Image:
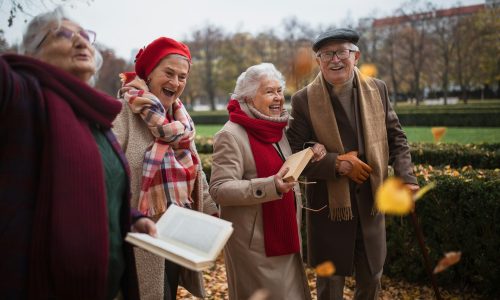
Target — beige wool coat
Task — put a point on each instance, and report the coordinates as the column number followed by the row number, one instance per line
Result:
column 235, row 187
column 134, row 138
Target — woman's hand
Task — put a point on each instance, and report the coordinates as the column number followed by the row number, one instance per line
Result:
column 319, row 151
column 282, row 186
column 145, row 225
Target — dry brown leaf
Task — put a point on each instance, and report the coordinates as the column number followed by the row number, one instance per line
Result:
column 325, row 269
column 448, row 260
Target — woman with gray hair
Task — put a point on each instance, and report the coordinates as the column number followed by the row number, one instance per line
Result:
column 64, row 184
column 247, row 183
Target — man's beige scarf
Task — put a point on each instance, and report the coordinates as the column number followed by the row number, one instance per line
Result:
column 374, row 133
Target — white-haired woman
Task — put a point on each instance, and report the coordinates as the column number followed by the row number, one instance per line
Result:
column 249, row 151
column 64, row 184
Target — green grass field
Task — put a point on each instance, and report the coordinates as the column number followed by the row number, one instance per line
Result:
column 461, row 135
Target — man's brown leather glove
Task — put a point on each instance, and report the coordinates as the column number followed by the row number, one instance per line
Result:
column 351, row 166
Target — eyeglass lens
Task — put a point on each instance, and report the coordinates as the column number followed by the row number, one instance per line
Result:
column 341, row 54
column 68, row 34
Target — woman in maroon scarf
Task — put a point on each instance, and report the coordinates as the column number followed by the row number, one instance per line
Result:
column 64, row 184
column 249, row 151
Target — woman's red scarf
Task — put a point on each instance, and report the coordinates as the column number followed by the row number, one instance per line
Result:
column 281, row 235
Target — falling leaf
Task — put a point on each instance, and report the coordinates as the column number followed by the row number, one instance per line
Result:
column 422, row 191
column 325, row 269
column 368, row 70
column 438, row 133
column 448, row 260
column 393, row 197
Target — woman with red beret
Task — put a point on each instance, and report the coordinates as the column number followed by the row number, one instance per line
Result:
column 157, row 135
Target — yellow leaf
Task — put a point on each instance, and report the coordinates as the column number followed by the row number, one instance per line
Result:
column 422, row 191
column 368, row 70
column 393, row 197
column 325, row 269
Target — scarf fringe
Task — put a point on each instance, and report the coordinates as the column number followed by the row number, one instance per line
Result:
column 341, row 213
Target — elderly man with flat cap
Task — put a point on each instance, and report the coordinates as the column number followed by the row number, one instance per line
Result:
column 351, row 115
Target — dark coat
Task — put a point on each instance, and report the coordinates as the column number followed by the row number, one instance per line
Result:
column 30, row 196
column 335, row 240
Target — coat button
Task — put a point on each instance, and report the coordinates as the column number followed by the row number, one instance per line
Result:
column 258, row 193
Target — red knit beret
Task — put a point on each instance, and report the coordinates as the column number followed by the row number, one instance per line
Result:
column 148, row 58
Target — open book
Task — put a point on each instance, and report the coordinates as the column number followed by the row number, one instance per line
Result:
column 187, row 237
column 297, row 162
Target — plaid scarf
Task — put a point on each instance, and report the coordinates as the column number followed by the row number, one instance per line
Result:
column 171, row 162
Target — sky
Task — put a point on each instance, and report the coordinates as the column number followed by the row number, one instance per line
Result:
column 127, row 25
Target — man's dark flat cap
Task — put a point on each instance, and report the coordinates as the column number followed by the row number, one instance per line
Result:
column 344, row 34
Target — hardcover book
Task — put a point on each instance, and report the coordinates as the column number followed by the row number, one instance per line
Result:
column 187, row 237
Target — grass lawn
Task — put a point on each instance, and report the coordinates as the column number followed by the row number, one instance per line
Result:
column 461, row 135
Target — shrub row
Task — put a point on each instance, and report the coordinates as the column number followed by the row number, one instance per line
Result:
column 460, row 214
column 455, row 119
column 483, row 156
column 430, row 117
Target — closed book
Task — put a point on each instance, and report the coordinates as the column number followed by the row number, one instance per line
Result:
column 296, row 163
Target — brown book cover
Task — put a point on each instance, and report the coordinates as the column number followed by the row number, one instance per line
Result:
column 297, row 162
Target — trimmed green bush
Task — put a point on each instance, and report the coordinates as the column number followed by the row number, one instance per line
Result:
column 482, row 156
column 455, row 119
column 460, row 214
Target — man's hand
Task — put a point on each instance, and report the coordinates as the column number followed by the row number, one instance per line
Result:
column 145, row 225
column 412, row 187
column 351, row 166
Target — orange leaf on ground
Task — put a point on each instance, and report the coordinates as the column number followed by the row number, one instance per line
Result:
column 448, row 260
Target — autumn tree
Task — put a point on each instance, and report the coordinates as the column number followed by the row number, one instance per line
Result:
column 30, row 8
column 297, row 37
column 108, row 80
column 444, row 43
column 205, row 45
column 414, row 42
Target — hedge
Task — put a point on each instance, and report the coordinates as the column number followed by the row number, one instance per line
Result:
column 429, row 117
column 455, row 119
column 460, row 214
column 483, row 156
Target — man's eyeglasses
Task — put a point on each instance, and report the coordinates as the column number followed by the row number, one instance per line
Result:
column 66, row 33
column 341, row 54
